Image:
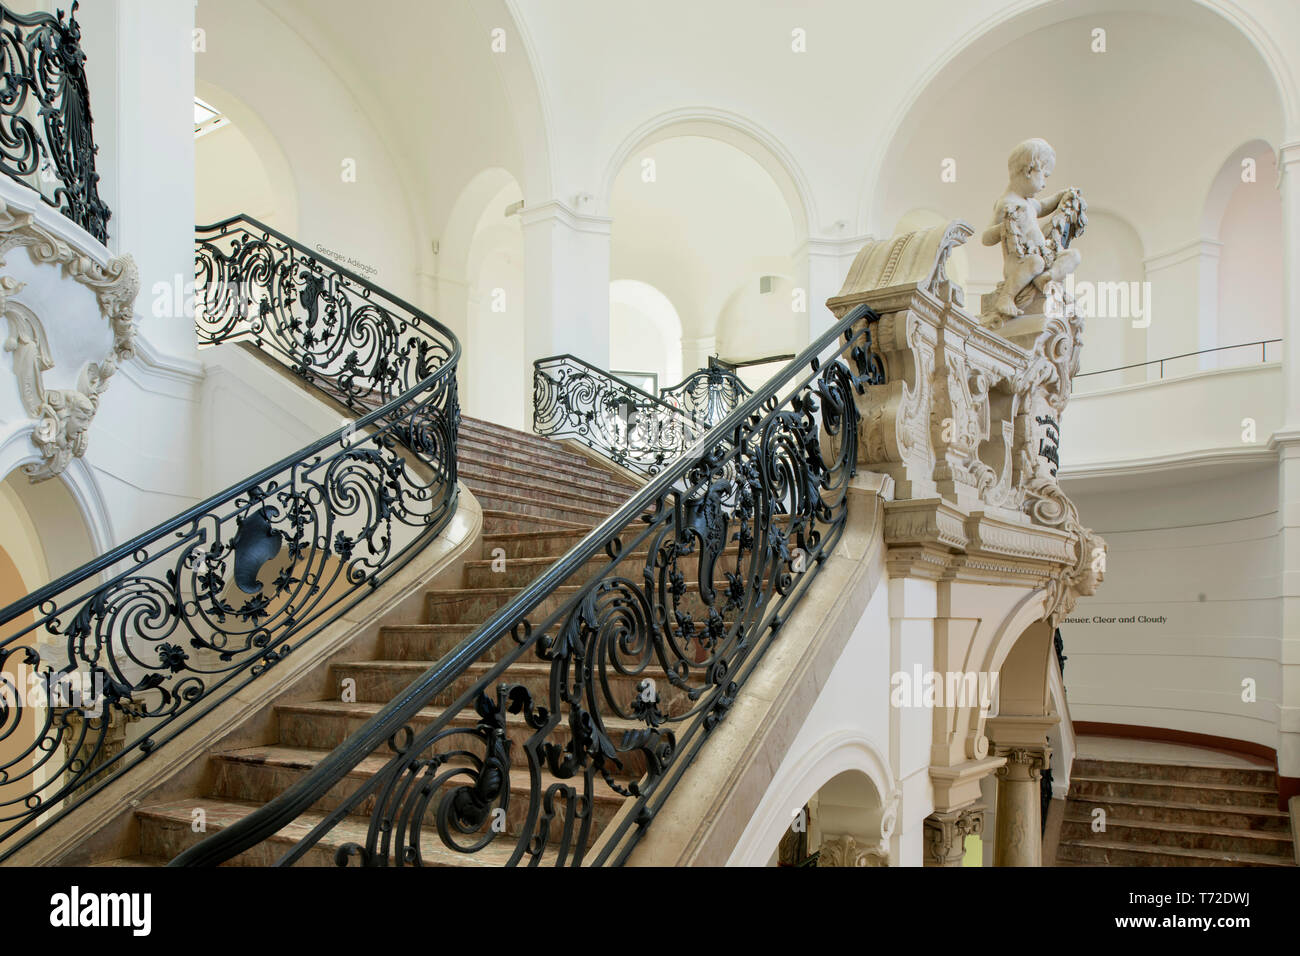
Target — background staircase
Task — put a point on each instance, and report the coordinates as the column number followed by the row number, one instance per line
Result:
column 538, row 501
column 1161, row 814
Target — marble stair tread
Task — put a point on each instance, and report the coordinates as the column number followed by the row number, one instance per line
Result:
column 510, row 486
column 304, row 759
column 476, row 468
column 221, row 813
column 572, row 513
column 1191, row 856
column 1240, row 833
column 1164, row 782
column 1265, row 812
column 367, row 709
column 554, row 524
column 132, row 861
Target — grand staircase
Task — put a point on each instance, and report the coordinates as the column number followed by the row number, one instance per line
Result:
column 1173, row 815
column 538, row 500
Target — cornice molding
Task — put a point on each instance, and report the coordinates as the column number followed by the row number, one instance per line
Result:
column 556, row 211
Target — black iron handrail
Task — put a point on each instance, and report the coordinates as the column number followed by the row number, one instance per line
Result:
column 1263, row 357
column 47, row 139
column 197, row 607
column 694, row 577
column 632, row 428
column 707, row 395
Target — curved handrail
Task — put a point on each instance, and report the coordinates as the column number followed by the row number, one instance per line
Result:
column 195, row 608
column 1263, row 343
column 707, row 395
column 761, row 500
column 632, row 428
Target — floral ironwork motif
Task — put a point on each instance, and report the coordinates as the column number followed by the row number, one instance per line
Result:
column 707, row 395
column 46, row 132
column 599, row 682
column 173, row 622
column 632, row 428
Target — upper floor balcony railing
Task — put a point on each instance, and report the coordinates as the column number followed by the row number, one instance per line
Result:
column 1243, row 351
column 47, row 138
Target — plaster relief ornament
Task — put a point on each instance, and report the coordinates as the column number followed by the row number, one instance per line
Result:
column 62, row 416
column 1035, row 234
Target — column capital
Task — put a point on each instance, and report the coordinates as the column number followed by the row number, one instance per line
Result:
column 846, row 850
column 1023, row 763
column 946, row 832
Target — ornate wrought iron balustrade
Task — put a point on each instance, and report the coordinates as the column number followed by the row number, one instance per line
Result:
column 630, row 427
column 325, row 323
column 47, row 137
column 707, row 395
column 102, row 667
column 601, row 680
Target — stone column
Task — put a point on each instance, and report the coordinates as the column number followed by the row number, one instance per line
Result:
column 1018, row 840
column 1184, row 283
column 946, row 833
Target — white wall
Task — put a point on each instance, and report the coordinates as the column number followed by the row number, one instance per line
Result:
column 1250, row 264
column 1205, row 557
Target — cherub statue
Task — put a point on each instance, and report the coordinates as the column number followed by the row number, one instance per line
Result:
column 1028, row 256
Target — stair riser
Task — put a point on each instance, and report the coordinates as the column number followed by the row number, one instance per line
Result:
column 1156, row 773
column 523, row 524
column 487, row 450
column 632, row 566
column 468, row 607
column 165, row 839
column 536, row 509
column 412, row 644
column 1088, row 790
column 624, row 691
column 524, row 480
column 534, row 545
column 1270, row 844
column 1109, row 856
column 1230, row 816
column 325, row 732
column 545, row 492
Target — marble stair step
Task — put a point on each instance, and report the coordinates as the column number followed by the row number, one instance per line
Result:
column 381, row 681
column 260, row 774
column 476, row 605
column 165, row 831
column 476, row 467
column 1215, row 794
column 1077, row 828
column 1175, row 773
column 533, row 544
column 519, row 572
column 522, row 505
column 503, row 522
column 1157, row 811
column 1106, row 852
column 479, row 443
column 565, row 494
column 326, row 724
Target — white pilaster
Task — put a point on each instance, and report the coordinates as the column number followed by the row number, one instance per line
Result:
column 820, row 266
column 1183, row 309
column 1287, row 443
column 566, row 268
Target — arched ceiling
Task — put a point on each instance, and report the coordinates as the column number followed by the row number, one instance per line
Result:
column 711, row 217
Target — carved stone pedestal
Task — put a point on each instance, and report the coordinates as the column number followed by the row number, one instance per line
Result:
column 946, row 832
